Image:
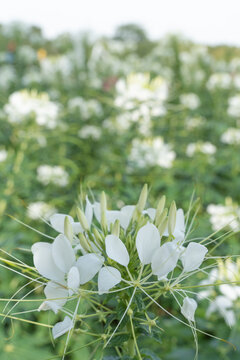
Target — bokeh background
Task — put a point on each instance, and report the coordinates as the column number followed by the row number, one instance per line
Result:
column 106, row 96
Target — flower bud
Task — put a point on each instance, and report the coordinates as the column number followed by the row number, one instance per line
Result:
column 172, row 218
column 82, row 219
column 84, row 242
column 68, row 230
column 103, row 207
column 116, row 228
column 160, row 208
column 161, row 217
column 162, row 226
column 142, row 198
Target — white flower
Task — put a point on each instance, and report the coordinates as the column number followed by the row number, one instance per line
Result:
column 56, row 175
column 55, row 262
column 188, row 308
column 219, row 80
column 40, row 209
column 152, row 153
column 193, row 256
column 24, row 103
column 62, row 327
column 231, row 136
column 234, row 106
column 190, row 101
column 223, row 305
column 202, row 147
column 224, row 215
column 89, row 131
column 3, row 155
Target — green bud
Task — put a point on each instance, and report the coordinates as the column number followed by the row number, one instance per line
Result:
column 97, row 236
column 103, row 207
column 84, row 242
column 172, row 218
column 68, row 230
column 161, row 217
column 141, row 203
column 82, row 219
column 160, row 208
column 162, row 226
column 142, row 198
column 116, row 228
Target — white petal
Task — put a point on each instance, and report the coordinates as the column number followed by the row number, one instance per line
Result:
column 73, row 280
column 57, row 222
column 193, row 256
column 56, row 292
column 188, row 308
column 63, row 253
column 151, row 212
column 62, row 327
column 112, row 216
column 97, row 211
column 165, row 259
column 147, row 242
column 126, row 215
column 89, row 211
column 43, row 262
column 88, row 266
column 116, row 250
column 179, row 231
column 108, row 277
column 77, row 228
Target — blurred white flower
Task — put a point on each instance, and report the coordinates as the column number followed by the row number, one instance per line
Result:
column 222, row 215
column 86, row 108
column 3, row 155
column 231, row 136
column 152, row 152
column 234, row 106
column 219, row 80
column 90, row 131
column 201, row 147
column 40, row 209
column 24, row 103
column 56, row 175
column 190, row 101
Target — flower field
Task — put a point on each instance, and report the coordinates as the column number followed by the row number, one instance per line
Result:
column 85, row 122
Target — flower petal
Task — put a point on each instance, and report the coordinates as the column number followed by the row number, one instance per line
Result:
column 116, row 250
column 43, row 262
column 179, row 231
column 193, row 256
column 73, row 280
column 151, row 212
column 188, row 308
column 89, row 211
column 108, row 277
column 126, row 215
column 56, row 292
column 147, row 242
column 57, row 222
column 165, row 259
column 88, row 266
column 62, row 327
column 63, row 253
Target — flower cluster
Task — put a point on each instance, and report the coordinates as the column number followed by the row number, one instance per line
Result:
column 131, row 248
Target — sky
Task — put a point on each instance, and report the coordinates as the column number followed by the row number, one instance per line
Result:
column 206, row 21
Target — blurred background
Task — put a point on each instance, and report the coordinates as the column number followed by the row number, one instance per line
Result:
column 108, row 96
